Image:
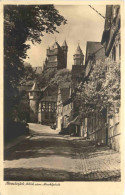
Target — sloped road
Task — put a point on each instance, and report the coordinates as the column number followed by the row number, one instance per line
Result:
column 48, row 156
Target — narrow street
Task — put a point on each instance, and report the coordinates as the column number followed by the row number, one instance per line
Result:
column 47, row 156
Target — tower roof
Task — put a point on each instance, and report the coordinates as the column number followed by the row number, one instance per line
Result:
column 35, row 87
column 78, row 51
column 55, row 45
column 95, row 48
column 64, row 44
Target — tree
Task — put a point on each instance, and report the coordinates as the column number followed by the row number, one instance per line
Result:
column 29, row 75
column 54, row 77
column 62, row 77
column 22, row 23
column 44, row 78
column 102, row 89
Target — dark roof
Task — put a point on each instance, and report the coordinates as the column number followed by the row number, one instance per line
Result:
column 49, row 99
column 95, row 48
column 44, row 88
column 65, row 93
column 64, row 44
column 38, row 69
column 25, row 88
column 55, row 45
column 77, row 70
column 35, row 87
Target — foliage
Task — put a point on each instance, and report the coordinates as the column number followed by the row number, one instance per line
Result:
column 29, row 75
column 102, row 89
column 52, row 78
column 23, row 23
column 44, row 78
column 62, row 77
column 22, row 110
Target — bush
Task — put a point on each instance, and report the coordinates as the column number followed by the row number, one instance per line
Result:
column 14, row 129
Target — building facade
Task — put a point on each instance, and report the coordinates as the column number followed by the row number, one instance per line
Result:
column 78, row 70
column 63, row 95
column 94, row 52
column 34, row 97
column 67, row 109
column 47, row 107
column 43, row 102
column 111, row 39
column 94, row 124
column 101, row 127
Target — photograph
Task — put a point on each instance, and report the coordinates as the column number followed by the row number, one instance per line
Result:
column 62, row 93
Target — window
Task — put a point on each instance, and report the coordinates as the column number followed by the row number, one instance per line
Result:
column 114, row 54
column 43, row 106
column 49, row 107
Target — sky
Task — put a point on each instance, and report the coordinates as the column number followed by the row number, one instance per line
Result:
column 83, row 24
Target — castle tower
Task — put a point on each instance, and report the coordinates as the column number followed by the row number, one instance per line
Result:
column 65, row 50
column 56, row 56
column 77, row 68
column 34, row 96
column 78, row 56
column 52, row 56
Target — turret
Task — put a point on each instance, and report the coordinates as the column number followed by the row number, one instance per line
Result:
column 64, row 46
column 53, row 50
column 77, row 68
column 78, row 56
column 65, row 50
column 34, row 96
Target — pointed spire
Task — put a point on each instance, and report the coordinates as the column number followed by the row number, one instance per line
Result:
column 64, row 44
column 78, row 50
column 35, row 87
column 55, row 45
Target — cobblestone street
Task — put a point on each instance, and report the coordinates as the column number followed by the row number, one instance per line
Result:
column 48, row 156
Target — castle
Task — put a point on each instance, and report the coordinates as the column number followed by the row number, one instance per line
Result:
column 56, row 57
column 43, row 103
